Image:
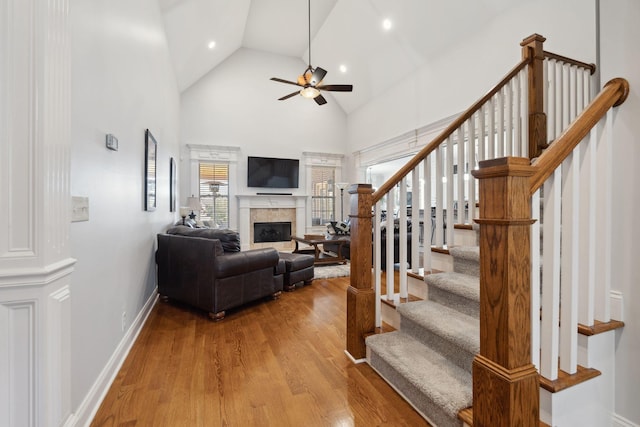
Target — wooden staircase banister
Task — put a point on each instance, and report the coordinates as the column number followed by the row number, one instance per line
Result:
column 551, row 55
column 613, row 93
column 429, row 148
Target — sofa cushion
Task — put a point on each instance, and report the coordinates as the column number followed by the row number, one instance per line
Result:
column 230, row 239
column 295, row 262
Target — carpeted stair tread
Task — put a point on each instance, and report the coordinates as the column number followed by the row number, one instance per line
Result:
column 436, row 387
column 460, row 284
column 428, row 317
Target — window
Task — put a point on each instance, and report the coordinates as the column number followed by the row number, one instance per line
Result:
column 214, row 193
column 323, row 196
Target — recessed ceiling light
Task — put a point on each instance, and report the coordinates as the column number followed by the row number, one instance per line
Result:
column 343, row 68
column 386, row 24
column 211, row 44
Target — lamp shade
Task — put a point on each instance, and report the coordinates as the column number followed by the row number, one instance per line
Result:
column 341, row 185
column 193, row 203
column 184, row 211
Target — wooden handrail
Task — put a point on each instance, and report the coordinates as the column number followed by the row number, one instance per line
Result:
column 613, row 93
column 422, row 154
column 551, row 55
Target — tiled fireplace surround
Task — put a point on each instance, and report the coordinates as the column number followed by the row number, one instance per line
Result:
column 270, row 208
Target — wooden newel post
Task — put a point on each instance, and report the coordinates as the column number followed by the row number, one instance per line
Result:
column 532, row 49
column 505, row 382
column 360, row 294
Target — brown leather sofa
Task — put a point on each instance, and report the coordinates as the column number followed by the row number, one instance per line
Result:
column 206, row 269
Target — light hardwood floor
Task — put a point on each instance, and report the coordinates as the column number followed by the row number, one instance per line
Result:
column 273, row 363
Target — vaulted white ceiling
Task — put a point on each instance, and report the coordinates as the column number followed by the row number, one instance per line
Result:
column 343, row 32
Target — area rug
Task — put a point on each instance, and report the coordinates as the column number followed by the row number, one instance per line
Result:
column 328, row 271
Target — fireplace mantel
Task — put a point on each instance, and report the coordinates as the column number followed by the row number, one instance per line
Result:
column 247, row 202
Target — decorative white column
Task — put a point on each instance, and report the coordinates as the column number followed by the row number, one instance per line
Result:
column 35, row 262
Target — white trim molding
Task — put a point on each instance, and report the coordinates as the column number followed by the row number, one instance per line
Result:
column 92, row 401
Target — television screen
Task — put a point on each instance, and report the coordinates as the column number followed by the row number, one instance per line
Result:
column 268, row 172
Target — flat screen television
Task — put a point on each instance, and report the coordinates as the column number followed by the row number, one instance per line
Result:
column 270, row 172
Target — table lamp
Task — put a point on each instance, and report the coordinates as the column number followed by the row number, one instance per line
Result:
column 194, row 204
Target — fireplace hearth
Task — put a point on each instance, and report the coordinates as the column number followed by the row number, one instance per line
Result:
column 271, row 232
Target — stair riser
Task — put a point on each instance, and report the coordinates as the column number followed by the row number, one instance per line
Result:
column 453, row 352
column 390, row 316
column 463, row 237
column 463, row 305
column 441, row 262
column 471, row 268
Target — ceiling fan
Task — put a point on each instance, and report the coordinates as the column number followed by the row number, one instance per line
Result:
column 310, row 80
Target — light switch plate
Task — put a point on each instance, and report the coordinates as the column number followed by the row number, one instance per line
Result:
column 79, row 209
column 112, row 142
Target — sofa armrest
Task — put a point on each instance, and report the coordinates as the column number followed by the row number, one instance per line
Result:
column 237, row 263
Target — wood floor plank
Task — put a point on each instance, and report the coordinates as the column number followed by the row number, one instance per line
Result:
column 272, row 363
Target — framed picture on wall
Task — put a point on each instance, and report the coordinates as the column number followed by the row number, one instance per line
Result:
column 172, row 185
column 150, row 157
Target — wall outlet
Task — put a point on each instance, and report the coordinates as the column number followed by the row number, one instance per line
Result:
column 124, row 321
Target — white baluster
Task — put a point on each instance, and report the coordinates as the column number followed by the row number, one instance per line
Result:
column 417, row 200
column 550, row 277
column 604, row 221
column 508, row 91
column 524, row 111
column 377, row 259
column 428, row 223
column 552, row 101
column 491, row 130
column 482, row 132
column 439, row 182
column 449, row 175
column 566, row 98
column 389, row 244
column 570, row 243
column 471, row 190
column 573, row 92
column 535, row 279
column 500, row 122
column 559, row 101
column 402, row 239
column 460, row 160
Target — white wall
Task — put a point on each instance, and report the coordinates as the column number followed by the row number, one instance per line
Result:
column 237, row 105
column 619, row 58
column 451, row 82
column 122, row 83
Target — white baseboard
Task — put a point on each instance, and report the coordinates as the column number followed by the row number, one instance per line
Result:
column 90, row 404
column 618, row 421
column 616, row 305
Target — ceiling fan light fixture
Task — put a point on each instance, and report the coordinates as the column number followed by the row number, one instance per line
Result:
column 309, row 92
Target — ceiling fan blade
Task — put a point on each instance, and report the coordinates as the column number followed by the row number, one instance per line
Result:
column 336, row 88
column 317, row 76
column 289, row 96
column 320, row 100
column 275, row 79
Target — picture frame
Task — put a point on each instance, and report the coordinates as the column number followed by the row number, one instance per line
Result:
column 172, row 185
column 150, row 161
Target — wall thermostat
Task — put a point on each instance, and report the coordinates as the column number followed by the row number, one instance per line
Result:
column 112, row 142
